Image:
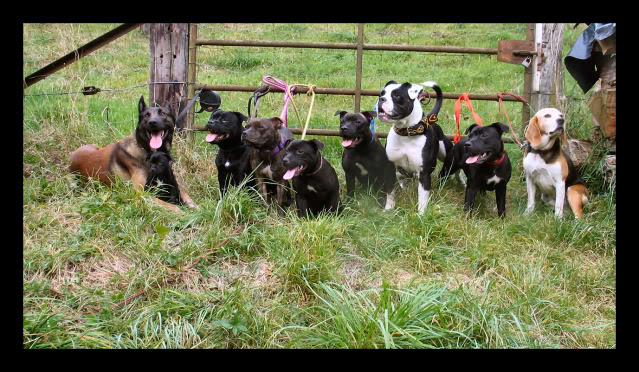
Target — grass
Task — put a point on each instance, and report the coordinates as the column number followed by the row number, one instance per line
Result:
column 234, row 274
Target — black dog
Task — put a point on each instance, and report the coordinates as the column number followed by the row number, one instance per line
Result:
column 162, row 179
column 364, row 158
column 314, row 179
column 233, row 159
column 485, row 162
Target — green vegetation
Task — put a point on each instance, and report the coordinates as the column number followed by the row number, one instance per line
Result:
column 233, row 274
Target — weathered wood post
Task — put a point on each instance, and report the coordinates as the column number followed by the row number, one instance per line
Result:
column 169, row 65
column 548, row 67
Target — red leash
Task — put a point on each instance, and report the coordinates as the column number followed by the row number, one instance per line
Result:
column 464, row 97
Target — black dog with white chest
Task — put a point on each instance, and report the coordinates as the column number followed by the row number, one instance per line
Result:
column 485, row 162
column 161, row 178
column 314, row 179
column 233, row 158
column 364, row 158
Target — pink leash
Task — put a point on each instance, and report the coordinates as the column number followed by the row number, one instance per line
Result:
column 277, row 83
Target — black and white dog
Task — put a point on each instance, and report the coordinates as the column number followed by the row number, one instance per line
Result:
column 415, row 141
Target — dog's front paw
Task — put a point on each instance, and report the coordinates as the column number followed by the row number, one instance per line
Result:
column 192, row 205
column 528, row 211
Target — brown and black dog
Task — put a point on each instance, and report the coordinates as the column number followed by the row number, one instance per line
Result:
column 548, row 168
column 268, row 138
column 127, row 159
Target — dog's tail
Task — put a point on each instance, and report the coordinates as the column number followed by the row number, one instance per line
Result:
column 440, row 97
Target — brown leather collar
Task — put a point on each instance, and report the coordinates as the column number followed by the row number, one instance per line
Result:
column 418, row 128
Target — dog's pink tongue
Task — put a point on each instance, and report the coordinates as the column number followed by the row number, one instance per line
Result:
column 472, row 159
column 290, row 174
column 347, row 142
column 211, row 137
column 156, row 141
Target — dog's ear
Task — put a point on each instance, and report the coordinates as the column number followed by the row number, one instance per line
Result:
column 288, row 141
column 341, row 113
column 415, row 90
column 533, row 133
column 241, row 117
column 317, row 144
column 141, row 105
column 370, row 115
column 277, row 122
column 470, row 129
column 168, row 108
column 500, row 127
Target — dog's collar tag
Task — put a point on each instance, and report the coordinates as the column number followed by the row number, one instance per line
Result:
column 418, row 128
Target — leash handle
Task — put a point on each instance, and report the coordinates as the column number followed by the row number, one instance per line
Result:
column 464, row 97
column 311, row 92
column 281, row 84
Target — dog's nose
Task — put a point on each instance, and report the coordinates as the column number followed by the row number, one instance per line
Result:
column 560, row 121
column 343, row 129
column 153, row 123
column 285, row 161
column 467, row 144
column 381, row 99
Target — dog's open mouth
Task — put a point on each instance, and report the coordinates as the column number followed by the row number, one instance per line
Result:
column 216, row 137
column 478, row 159
column 351, row 142
column 293, row 172
column 156, row 139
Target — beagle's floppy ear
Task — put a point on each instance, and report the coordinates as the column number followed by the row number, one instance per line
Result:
column 533, row 133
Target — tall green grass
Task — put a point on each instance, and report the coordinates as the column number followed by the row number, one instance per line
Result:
column 104, row 267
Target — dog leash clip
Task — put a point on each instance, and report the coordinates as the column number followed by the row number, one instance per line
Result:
column 90, row 90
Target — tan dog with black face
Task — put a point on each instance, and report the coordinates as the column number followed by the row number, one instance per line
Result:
column 127, row 159
column 547, row 166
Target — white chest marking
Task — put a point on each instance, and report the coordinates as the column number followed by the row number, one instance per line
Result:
column 405, row 151
column 545, row 176
column 494, row 179
column 361, row 168
column 227, row 164
column 311, row 188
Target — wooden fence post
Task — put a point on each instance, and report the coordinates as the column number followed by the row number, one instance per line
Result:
column 169, row 66
column 548, row 69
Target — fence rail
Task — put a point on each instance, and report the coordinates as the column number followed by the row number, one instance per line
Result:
column 388, row 47
column 336, row 91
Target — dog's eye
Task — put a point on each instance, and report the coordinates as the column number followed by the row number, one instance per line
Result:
column 147, row 114
column 162, row 113
column 484, row 135
column 300, row 152
column 547, row 115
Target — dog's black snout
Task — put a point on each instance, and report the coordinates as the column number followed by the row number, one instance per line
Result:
column 343, row 128
column 381, row 99
column 560, row 121
column 285, row 161
column 467, row 144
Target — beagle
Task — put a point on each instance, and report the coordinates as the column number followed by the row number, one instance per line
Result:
column 547, row 166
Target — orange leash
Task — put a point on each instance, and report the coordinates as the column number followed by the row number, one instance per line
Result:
column 502, row 107
column 464, row 97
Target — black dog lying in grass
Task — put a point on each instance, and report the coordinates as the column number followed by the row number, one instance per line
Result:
column 161, row 178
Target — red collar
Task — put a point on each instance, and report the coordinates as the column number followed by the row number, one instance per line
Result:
column 497, row 162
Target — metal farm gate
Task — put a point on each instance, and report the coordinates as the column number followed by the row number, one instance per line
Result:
column 514, row 51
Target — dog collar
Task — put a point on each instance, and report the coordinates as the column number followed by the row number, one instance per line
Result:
column 318, row 168
column 279, row 147
column 497, row 162
column 418, row 128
